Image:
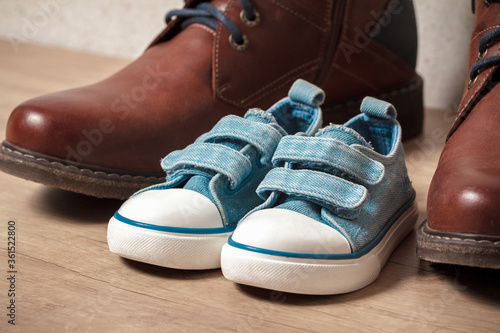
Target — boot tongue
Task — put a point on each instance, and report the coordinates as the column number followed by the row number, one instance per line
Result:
column 190, row 5
column 220, row 4
column 344, row 134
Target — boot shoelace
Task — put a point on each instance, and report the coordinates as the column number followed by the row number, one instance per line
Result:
column 485, row 43
column 208, row 15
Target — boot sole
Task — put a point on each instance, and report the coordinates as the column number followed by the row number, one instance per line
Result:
column 85, row 180
column 316, row 276
column 121, row 184
column 458, row 249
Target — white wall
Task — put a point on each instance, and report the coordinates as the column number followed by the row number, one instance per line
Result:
column 444, row 28
column 125, row 27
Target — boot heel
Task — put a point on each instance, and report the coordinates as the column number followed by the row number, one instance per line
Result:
column 407, row 99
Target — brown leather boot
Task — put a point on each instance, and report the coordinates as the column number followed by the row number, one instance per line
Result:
column 215, row 58
column 463, row 209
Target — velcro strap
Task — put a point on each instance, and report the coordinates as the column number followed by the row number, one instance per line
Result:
column 324, row 189
column 209, row 156
column 263, row 137
column 332, row 153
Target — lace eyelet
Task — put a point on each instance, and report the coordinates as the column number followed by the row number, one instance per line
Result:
column 487, row 3
column 250, row 23
column 480, row 56
column 471, row 82
column 236, row 46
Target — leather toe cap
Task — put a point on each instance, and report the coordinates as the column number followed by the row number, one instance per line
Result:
column 63, row 125
column 31, row 126
column 464, row 201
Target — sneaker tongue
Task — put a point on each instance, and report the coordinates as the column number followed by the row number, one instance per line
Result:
column 259, row 116
column 338, row 132
column 264, row 117
column 200, row 184
column 344, row 134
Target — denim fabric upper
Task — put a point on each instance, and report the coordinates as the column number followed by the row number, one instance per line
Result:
column 227, row 164
column 351, row 177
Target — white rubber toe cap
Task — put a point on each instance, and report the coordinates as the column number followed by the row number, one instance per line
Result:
column 172, row 207
column 288, row 231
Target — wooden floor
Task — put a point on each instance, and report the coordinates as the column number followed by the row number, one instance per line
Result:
column 68, row 281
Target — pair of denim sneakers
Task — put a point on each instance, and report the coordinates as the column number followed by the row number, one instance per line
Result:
column 277, row 202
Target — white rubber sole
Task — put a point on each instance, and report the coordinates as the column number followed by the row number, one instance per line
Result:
column 182, row 251
column 315, row 276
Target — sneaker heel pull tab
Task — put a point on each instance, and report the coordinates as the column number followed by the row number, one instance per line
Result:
column 306, row 93
column 378, row 108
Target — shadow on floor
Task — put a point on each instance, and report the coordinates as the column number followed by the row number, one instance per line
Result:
column 171, row 273
column 482, row 284
column 74, row 207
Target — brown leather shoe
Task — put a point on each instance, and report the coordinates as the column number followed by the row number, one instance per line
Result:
column 463, row 210
column 107, row 139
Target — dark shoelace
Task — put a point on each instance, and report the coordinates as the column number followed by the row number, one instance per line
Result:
column 208, row 15
column 485, row 43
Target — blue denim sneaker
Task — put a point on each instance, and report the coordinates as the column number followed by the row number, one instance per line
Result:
column 210, row 185
column 337, row 204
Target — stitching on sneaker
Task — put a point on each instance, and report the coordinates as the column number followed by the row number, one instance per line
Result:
column 112, row 175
